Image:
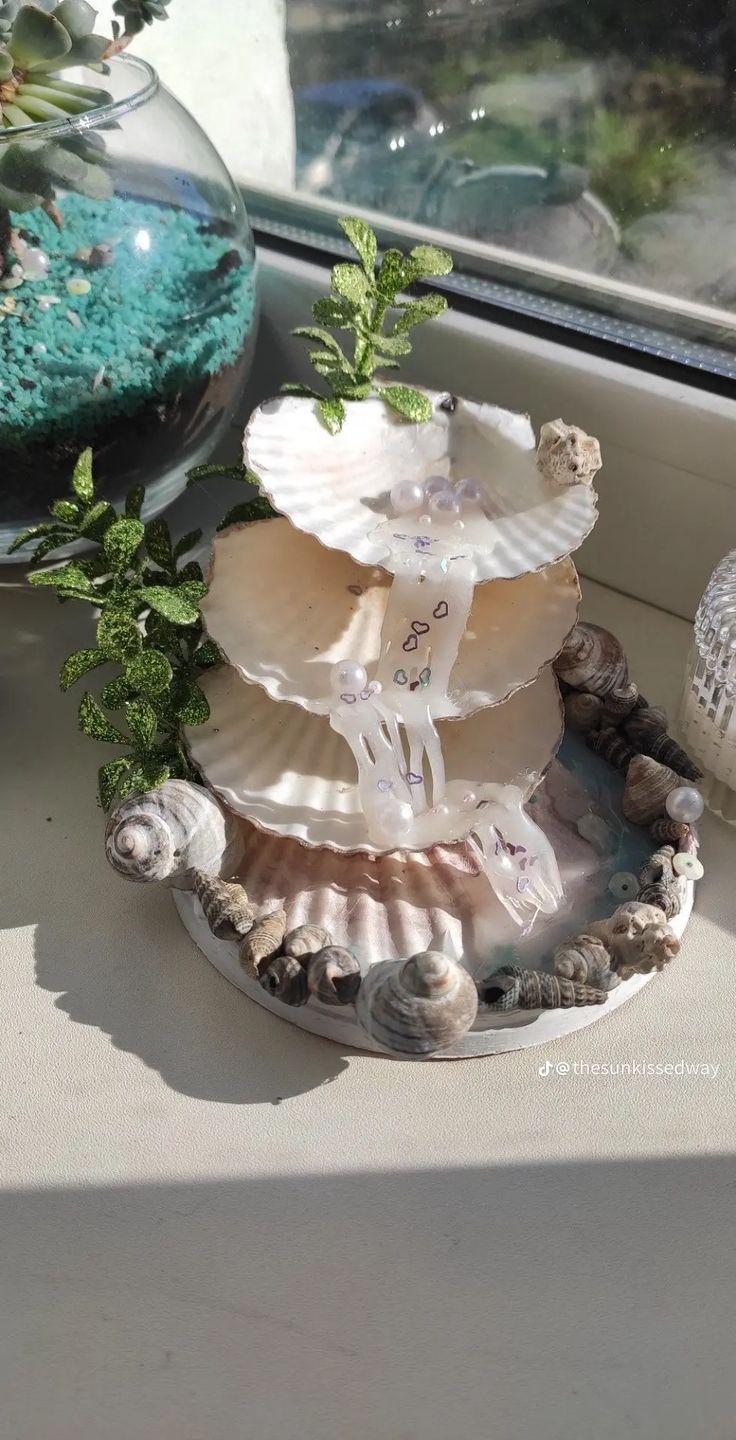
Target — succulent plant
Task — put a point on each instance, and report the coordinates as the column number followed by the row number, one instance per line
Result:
column 37, row 42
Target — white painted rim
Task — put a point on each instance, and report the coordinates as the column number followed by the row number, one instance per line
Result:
column 494, row 1035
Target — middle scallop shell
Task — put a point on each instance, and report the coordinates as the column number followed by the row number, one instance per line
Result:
column 289, row 772
column 284, row 611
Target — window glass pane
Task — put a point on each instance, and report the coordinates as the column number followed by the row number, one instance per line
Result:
column 583, row 149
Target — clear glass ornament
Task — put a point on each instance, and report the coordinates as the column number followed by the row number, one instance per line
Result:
column 707, row 718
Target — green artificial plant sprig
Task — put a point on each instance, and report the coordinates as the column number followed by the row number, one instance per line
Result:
column 363, row 303
column 149, row 627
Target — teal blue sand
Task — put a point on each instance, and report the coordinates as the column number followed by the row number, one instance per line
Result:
column 160, row 318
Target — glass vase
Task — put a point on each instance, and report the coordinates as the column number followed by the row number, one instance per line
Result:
column 127, row 298
column 707, row 719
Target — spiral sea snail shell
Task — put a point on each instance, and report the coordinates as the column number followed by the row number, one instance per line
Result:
column 168, row 833
column 417, row 1006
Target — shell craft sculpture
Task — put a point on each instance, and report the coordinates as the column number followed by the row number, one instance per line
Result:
column 402, row 651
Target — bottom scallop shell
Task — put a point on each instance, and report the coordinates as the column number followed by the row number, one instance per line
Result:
column 290, row 773
column 389, row 907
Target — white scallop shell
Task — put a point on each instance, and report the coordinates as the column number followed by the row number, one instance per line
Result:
column 284, row 611
column 336, row 486
column 290, row 772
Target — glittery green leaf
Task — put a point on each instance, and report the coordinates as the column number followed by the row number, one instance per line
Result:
column 108, row 780
column 332, row 414
column 430, row 260
column 351, row 282
column 94, row 722
column 191, row 571
column 141, row 718
column 178, row 606
column 118, row 634
column 150, row 672
column 66, row 510
column 97, row 520
column 83, row 483
column 333, row 311
column 134, row 502
column 396, row 272
column 121, row 542
column 427, row 307
column 79, row 664
column 391, row 345
column 45, row 547
column 148, row 774
column 115, row 693
column 187, row 542
column 213, row 472
column 259, row 508
column 64, row 577
column 191, row 705
column 35, row 532
column 409, row 403
column 304, row 391
column 207, row 655
column 158, row 543
column 363, row 239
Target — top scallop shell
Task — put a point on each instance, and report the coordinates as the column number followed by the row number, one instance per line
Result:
column 336, row 487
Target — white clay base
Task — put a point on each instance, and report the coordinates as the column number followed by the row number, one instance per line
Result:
column 492, row 1034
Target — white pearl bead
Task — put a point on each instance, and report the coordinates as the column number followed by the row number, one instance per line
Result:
column 35, row 263
column 470, row 799
column 348, row 677
column 436, row 484
column 407, row 497
column 688, row 865
column 624, row 885
column 444, row 507
column 392, row 820
column 685, row 804
column 470, row 494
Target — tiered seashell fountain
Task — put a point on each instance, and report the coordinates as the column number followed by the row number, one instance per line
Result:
column 390, row 851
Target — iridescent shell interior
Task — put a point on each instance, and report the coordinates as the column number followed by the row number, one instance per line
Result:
column 337, row 487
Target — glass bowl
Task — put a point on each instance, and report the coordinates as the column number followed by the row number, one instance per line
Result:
column 127, row 299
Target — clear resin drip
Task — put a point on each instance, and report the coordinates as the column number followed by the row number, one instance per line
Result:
column 388, row 722
column 707, row 718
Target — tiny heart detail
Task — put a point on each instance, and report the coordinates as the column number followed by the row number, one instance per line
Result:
column 349, row 699
column 523, row 883
column 441, row 611
column 385, row 785
column 369, row 690
column 410, row 643
column 420, row 627
column 412, row 779
column 400, row 677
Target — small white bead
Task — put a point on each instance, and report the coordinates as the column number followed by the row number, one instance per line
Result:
column 470, row 493
column 470, row 799
column 407, row 497
column 392, row 821
column 444, row 507
column 687, row 865
column 436, row 484
column 35, row 263
column 685, row 804
column 348, row 677
column 624, row 885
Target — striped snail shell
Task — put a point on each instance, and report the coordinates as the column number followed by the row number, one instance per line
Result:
column 648, row 734
column 660, row 885
column 417, row 1006
column 512, row 988
column 262, row 942
column 333, row 975
column 611, row 747
column 168, row 833
column 669, row 832
column 620, row 703
column 305, row 941
column 226, row 906
column 587, row 959
column 583, row 711
column 592, row 659
column 647, row 786
column 286, row 979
